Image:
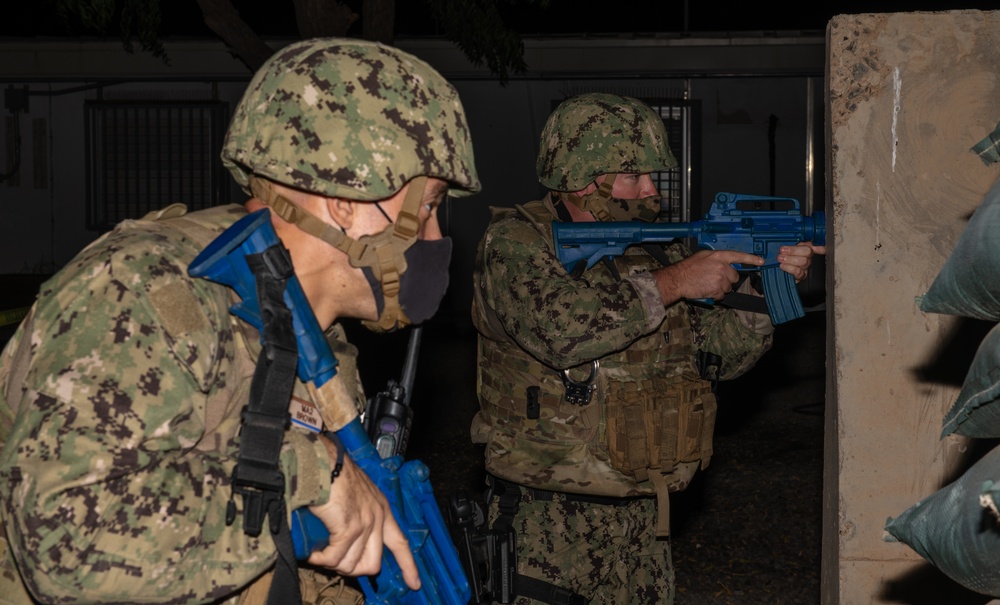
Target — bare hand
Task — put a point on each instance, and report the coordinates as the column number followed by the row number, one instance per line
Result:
column 704, row 274
column 796, row 260
column 360, row 521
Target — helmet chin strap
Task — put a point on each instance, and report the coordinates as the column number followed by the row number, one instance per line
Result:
column 595, row 202
column 381, row 252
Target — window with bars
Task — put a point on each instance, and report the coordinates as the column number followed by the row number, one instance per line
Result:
column 144, row 155
column 678, row 185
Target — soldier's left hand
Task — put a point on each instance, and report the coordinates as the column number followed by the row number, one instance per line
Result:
column 360, row 523
column 797, row 259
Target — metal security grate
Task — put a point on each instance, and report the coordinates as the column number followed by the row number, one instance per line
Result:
column 142, row 156
column 676, row 185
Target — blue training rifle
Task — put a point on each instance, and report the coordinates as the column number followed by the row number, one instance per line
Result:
column 754, row 224
column 406, row 485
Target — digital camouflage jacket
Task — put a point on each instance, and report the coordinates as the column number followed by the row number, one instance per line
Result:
column 122, row 393
column 650, row 415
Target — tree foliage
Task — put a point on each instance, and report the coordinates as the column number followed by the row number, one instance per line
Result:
column 136, row 20
column 477, row 27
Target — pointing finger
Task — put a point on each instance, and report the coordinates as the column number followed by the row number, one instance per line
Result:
column 742, row 258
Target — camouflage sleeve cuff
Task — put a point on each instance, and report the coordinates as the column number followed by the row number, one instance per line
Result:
column 652, row 303
column 307, row 466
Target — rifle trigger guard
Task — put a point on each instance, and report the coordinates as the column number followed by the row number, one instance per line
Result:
column 580, row 392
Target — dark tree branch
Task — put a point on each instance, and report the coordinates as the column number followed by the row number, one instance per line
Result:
column 223, row 19
column 379, row 20
column 477, row 27
column 323, row 18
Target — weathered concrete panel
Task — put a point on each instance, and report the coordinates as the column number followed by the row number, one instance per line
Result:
column 909, row 94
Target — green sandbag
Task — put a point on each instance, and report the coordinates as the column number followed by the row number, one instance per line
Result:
column 954, row 532
column 969, row 283
column 976, row 412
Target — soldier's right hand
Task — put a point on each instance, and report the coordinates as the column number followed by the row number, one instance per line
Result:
column 704, row 274
column 360, row 522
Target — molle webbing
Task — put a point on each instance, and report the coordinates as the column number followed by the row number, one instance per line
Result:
column 504, row 393
column 657, row 424
column 520, row 362
column 539, row 215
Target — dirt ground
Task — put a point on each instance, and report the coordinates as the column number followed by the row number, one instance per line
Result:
column 749, row 531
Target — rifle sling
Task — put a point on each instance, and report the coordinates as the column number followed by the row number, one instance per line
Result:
column 546, row 592
column 744, row 302
column 257, row 476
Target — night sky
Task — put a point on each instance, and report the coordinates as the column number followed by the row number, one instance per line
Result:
column 182, row 18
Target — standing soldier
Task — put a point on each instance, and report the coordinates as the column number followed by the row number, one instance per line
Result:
column 596, row 395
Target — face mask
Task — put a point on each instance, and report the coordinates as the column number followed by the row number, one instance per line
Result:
column 643, row 209
column 421, row 286
column 383, row 256
column 606, row 208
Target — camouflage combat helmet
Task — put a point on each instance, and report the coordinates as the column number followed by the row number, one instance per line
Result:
column 356, row 120
column 350, row 118
column 598, row 133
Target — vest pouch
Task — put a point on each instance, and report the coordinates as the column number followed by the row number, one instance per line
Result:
column 658, row 423
column 696, row 424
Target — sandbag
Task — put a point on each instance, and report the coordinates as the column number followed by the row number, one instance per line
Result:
column 968, row 284
column 976, row 412
column 955, row 528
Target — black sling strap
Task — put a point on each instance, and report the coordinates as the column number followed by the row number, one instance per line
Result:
column 257, row 476
column 546, row 592
column 744, row 302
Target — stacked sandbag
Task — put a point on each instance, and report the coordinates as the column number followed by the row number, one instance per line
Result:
column 957, row 528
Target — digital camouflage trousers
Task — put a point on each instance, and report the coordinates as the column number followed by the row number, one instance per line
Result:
column 607, row 553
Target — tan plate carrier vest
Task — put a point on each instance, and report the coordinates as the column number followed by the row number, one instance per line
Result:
column 647, row 429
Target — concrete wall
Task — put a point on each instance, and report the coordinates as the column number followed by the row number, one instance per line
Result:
column 909, row 94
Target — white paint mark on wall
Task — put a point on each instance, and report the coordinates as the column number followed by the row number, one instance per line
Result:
column 878, row 214
column 897, row 85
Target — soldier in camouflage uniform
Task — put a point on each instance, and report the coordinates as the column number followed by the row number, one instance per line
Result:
column 593, row 403
column 122, row 390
